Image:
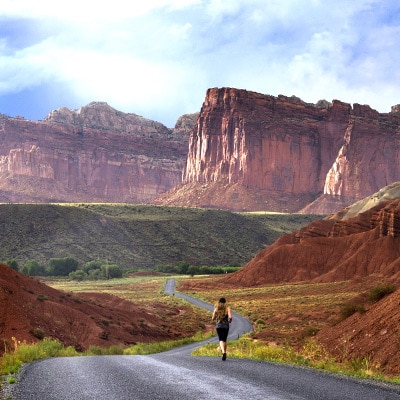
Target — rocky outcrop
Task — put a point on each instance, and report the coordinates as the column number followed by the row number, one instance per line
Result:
column 95, row 153
column 342, row 246
column 185, row 124
column 287, row 153
column 99, row 115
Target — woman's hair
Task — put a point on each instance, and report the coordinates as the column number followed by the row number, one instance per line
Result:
column 220, row 308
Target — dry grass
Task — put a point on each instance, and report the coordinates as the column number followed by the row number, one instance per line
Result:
column 146, row 289
column 284, row 313
column 148, row 292
column 280, row 314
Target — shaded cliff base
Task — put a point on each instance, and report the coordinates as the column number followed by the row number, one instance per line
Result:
column 327, row 204
column 232, row 197
column 15, row 188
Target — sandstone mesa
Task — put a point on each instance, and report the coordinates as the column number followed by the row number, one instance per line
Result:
column 244, row 151
column 250, row 151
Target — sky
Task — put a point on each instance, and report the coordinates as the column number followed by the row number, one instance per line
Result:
column 157, row 58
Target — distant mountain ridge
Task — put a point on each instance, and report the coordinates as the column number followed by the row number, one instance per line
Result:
column 244, row 151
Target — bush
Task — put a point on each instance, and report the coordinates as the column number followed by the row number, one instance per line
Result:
column 111, row 271
column 351, row 308
column 381, row 290
column 78, row 275
column 93, row 265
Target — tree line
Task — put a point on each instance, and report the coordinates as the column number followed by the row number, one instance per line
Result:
column 104, row 269
column 184, row 268
column 69, row 267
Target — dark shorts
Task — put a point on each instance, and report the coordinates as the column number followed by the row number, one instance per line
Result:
column 222, row 334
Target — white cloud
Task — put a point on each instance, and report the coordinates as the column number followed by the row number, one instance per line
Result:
column 87, row 10
column 160, row 56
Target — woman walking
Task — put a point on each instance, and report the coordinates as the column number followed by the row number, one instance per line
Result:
column 223, row 317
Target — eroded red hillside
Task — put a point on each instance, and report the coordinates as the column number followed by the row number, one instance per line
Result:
column 372, row 336
column 30, row 309
column 331, row 249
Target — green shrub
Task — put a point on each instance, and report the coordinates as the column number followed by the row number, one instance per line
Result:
column 350, row 308
column 381, row 290
column 12, row 263
column 33, row 268
column 309, row 331
column 37, row 332
column 78, row 275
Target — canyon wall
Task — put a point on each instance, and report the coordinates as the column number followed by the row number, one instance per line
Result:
column 95, row 153
column 260, row 152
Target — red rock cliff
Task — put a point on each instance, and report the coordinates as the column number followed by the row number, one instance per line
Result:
column 95, row 153
column 284, row 153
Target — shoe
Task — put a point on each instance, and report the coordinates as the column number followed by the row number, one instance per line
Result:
column 224, row 357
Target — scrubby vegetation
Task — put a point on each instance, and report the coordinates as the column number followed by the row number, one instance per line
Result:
column 69, row 267
column 136, row 237
column 381, row 290
column 183, row 268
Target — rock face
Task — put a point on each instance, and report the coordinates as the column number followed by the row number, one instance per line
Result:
column 343, row 246
column 280, row 153
column 95, row 153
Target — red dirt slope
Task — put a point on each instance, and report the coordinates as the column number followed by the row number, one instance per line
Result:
column 331, row 249
column 372, row 336
column 30, row 309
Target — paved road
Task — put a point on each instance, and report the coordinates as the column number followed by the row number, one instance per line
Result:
column 177, row 375
column 239, row 325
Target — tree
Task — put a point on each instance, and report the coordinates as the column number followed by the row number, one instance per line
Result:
column 182, row 267
column 111, row 271
column 193, row 270
column 33, row 268
column 92, row 265
column 12, row 264
column 62, row 266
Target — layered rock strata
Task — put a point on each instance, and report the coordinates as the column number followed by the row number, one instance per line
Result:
column 288, row 153
column 339, row 247
column 95, row 153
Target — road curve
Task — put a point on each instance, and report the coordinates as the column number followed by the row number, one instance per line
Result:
column 239, row 325
column 177, row 375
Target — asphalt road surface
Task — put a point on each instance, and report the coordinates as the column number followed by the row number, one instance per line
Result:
column 176, row 375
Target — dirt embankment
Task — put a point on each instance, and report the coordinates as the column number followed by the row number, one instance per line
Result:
column 31, row 310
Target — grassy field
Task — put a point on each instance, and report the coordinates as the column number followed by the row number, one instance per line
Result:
column 281, row 313
column 137, row 289
column 147, row 291
column 138, row 236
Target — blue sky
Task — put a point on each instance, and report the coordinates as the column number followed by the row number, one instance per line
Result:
column 157, row 58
